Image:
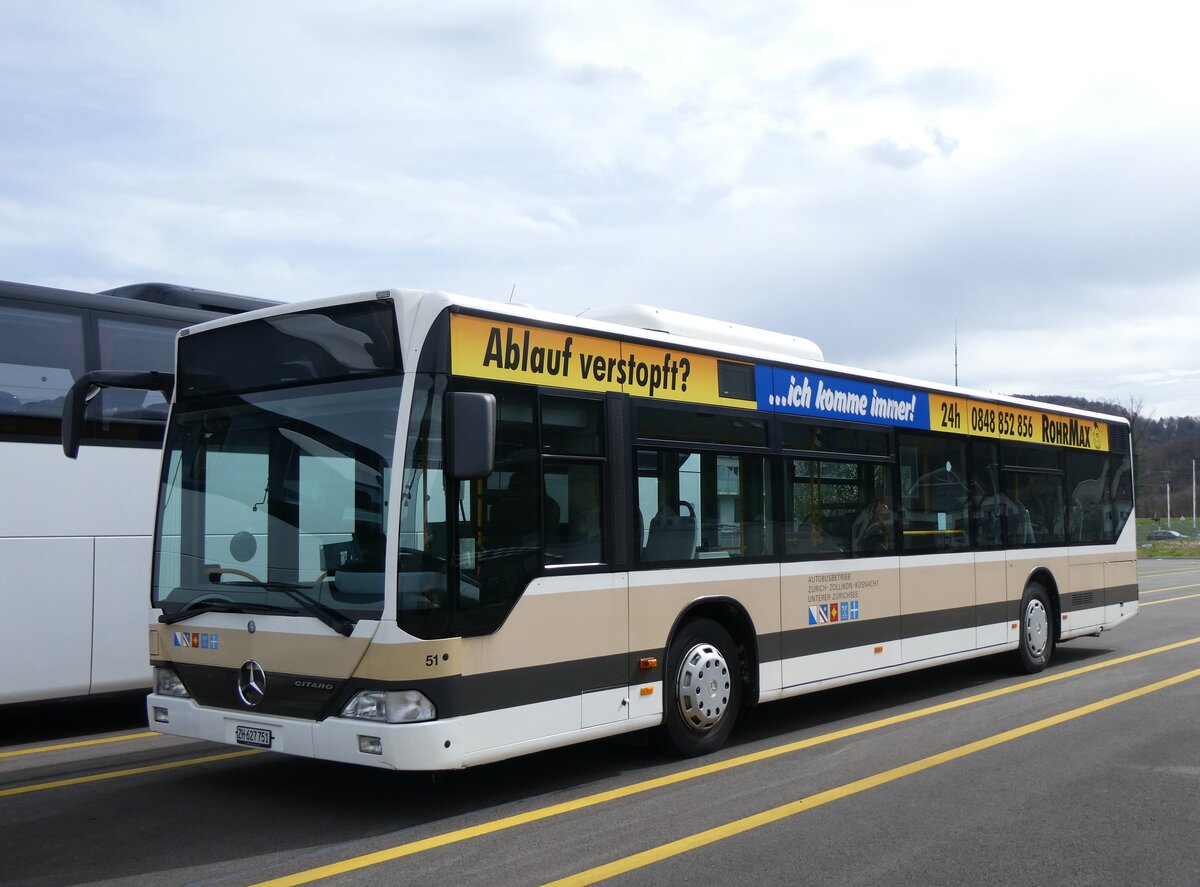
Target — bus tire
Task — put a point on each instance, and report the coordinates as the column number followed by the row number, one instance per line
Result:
column 703, row 688
column 1037, row 629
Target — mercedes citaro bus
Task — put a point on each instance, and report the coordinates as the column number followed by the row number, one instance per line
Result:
column 418, row 531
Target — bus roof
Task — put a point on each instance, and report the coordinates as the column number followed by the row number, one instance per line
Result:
column 189, row 297
column 651, row 325
column 167, row 301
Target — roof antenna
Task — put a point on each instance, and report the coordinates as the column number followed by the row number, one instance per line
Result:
column 956, row 352
column 511, row 293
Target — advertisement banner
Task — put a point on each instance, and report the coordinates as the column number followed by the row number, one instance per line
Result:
column 482, row 348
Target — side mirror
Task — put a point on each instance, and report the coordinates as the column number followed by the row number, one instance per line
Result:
column 471, row 434
column 89, row 385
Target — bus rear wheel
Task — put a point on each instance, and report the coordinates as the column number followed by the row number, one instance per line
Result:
column 703, row 688
column 1037, row 629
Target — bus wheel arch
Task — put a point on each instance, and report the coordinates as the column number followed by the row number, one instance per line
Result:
column 709, row 658
column 1039, row 619
column 1043, row 577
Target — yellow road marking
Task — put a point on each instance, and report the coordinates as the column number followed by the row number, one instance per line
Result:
column 775, row 814
column 1170, row 588
column 1186, row 597
column 1150, row 575
column 81, row 744
column 498, row 825
column 132, row 771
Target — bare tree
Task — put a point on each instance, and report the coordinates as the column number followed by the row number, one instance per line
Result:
column 1134, row 409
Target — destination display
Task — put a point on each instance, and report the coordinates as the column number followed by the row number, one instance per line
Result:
column 492, row 349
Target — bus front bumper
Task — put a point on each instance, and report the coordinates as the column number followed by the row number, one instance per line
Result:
column 429, row 745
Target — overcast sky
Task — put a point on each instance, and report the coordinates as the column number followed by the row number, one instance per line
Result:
column 866, row 175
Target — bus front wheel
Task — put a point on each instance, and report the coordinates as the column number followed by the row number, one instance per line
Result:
column 1037, row 629
column 703, row 688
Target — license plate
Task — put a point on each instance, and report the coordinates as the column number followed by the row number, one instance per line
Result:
column 256, row 736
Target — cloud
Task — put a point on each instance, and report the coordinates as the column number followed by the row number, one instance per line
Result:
column 888, row 153
column 946, row 145
column 860, row 178
column 947, row 87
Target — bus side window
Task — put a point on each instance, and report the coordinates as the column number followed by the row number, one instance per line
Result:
column 574, row 515
column 838, row 509
column 133, row 345
column 668, row 491
column 1090, row 486
column 1033, row 480
column 989, row 508
column 513, row 512
column 707, row 506
column 573, row 478
column 41, row 354
column 935, row 500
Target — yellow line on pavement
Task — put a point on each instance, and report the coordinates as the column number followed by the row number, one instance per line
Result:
column 498, row 825
column 1169, row 588
column 1186, row 597
column 132, row 771
column 41, row 749
column 1150, row 575
column 775, row 814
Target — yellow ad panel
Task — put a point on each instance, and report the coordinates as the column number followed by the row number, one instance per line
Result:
column 494, row 349
column 1067, row 431
column 1002, row 422
column 948, row 413
column 486, row 349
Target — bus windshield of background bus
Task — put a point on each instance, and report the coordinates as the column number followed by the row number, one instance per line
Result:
column 276, row 501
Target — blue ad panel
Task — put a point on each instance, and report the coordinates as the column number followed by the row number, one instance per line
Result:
column 797, row 393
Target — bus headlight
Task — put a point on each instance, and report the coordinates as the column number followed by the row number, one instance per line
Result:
column 390, row 706
column 167, row 683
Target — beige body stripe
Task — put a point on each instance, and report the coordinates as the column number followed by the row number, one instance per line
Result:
column 454, row 837
column 775, row 814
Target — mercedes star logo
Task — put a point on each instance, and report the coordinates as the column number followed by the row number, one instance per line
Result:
column 252, row 683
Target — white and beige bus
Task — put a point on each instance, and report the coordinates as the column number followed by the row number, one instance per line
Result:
column 417, row 531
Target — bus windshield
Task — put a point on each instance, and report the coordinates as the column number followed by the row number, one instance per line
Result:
column 276, row 467
column 276, row 502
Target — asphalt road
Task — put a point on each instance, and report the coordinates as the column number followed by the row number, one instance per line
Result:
column 968, row 773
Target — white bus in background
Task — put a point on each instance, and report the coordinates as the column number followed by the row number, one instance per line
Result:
column 418, row 531
column 75, row 536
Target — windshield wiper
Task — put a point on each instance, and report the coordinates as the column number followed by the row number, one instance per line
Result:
column 313, row 607
column 187, row 611
column 308, row 604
